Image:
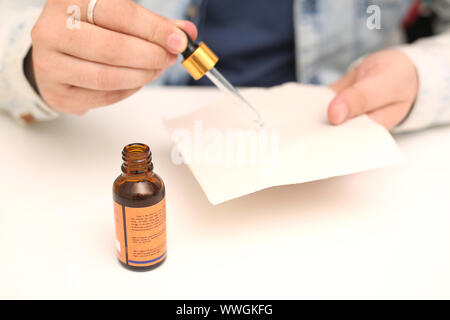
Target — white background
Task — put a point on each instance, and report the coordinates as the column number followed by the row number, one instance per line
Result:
column 378, row 234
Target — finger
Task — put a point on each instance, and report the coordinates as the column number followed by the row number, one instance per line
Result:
column 344, row 82
column 74, row 100
column 188, row 27
column 361, row 97
column 126, row 16
column 95, row 99
column 96, row 44
column 95, row 76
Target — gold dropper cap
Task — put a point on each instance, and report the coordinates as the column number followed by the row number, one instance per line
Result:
column 198, row 59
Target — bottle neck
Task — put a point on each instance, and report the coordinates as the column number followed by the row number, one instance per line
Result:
column 137, row 159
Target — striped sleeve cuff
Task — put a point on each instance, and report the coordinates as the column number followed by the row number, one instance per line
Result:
column 432, row 106
column 20, row 100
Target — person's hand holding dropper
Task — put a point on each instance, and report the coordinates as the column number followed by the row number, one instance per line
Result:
column 77, row 69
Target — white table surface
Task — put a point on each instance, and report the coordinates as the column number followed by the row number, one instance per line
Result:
column 378, row 234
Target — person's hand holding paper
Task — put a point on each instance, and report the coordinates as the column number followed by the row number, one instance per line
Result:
column 231, row 158
column 384, row 86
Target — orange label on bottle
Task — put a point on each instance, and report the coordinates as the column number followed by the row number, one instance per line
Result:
column 141, row 234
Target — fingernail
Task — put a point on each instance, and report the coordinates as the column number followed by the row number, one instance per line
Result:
column 177, row 41
column 340, row 113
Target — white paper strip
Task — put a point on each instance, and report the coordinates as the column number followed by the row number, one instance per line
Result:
column 231, row 158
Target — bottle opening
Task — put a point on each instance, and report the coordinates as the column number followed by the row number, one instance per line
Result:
column 137, row 158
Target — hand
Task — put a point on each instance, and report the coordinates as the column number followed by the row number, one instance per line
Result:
column 384, row 86
column 77, row 69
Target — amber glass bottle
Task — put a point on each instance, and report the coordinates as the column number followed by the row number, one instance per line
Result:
column 139, row 211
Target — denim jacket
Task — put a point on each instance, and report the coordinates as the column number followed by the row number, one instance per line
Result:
column 330, row 36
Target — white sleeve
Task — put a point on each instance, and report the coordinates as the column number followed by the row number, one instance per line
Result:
column 431, row 57
column 17, row 96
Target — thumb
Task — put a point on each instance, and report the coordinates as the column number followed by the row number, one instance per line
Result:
column 187, row 27
column 363, row 96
